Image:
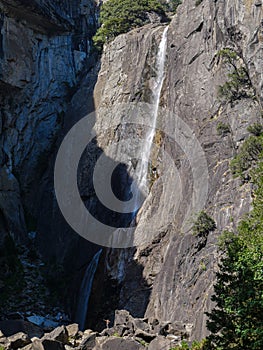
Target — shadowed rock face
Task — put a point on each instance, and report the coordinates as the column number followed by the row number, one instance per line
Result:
column 171, row 277
column 43, row 45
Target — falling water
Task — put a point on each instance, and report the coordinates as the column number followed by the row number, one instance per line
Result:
column 85, row 290
column 141, row 176
column 142, row 171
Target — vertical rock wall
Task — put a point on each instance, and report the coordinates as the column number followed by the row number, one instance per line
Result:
column 171, row 278
column 43, row 46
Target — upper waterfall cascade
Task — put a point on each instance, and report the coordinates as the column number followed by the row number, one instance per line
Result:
column 142, row 169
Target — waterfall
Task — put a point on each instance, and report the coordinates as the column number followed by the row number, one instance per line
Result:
column 85, row 290
column 142, row 171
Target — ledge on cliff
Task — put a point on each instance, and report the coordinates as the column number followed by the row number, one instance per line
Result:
column 44, row 17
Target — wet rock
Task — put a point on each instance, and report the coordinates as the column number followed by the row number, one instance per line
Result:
column 42, row 321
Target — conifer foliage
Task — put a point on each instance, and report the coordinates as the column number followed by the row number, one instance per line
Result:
column 237, row 320
column 120, row 16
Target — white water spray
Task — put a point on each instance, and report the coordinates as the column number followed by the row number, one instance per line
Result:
column 142, row 170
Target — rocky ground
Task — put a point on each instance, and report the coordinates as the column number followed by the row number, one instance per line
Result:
column 31, row 296
column 127, row 333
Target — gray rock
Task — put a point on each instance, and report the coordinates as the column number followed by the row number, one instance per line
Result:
column 59, row 334
column 88, row 342
column 121, row 317
column 160, row 343
column 72, row 329
column 172, row 277
column 148, row 337
column 48, row 344
column 30, row 347
column 121, row 344
column 18, row 340
column 141, row 323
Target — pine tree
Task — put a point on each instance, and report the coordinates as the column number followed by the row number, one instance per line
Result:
column 120, row 16
column 237, row 320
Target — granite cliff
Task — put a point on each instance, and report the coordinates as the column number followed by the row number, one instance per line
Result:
column 50, row 79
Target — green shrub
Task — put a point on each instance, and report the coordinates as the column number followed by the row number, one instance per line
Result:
column 239, row 84
column 222, row 129
column 255, row 129
column 202, row 345
column 120, row 16
column 237, row 87
column 203, row 224
column 143, row 342
column 228, row 55
column 250, row 152
column 116, row 334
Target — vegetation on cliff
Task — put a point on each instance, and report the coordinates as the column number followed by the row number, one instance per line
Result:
column 250, row 152
column 238, row 84
column 237, row 320
column 120, row 16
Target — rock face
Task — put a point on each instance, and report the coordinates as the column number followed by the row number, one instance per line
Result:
column 43, row 48
column 171, row 277
column 44, row 91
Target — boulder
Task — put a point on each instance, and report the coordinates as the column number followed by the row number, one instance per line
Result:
column 176, row 328
column 72, row 329
column 4, row 343
column 60, row 334
column 160, row 343
column 88, row 343
column 68, row 347
column 148, row 337
column 45, row 344
column 121, row 317
column 50, row 344
column 141, row 323
column 121, row 344
column 18, row 340
column 120, row 330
